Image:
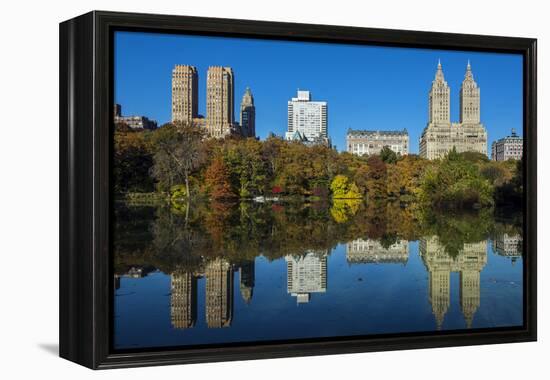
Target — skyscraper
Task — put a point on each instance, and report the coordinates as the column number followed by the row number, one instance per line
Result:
column 469, row 99
column 248, row 114
column 439, row 99
column 307, row 120
column 440, row 135
column 185, row 102
column 219, row 101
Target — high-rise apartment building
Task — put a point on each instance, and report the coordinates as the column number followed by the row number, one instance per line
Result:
column 220, row 101
column 248, row 115
column 307, row 119
column 185, row 93
column 510, row 147
column 363, row 142
column 440, row 135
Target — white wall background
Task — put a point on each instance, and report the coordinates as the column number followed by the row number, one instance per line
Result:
column 29, row 186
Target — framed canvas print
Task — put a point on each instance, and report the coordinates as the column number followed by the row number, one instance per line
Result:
column 236, row 189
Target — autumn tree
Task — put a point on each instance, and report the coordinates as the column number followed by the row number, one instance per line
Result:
column 343, row 188
column 376, row 178
column 217, row 181
column 405, row 176
column 178, row 152
column 132, row 160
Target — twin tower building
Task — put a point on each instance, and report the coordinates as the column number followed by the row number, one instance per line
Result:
column 440, row 135
column 220, row 94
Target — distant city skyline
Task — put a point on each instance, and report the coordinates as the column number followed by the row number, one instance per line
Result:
column 366, row 87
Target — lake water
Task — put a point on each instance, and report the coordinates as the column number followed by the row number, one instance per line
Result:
column 250, row 272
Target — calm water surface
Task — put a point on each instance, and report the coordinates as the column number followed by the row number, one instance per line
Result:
column 218, row 273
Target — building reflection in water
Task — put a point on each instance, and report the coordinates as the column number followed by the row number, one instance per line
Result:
column 246, row 280
column 132, row 272
column 183, row 300
column 219, row 293
column 510, row 246
column 468, row 262
column 306, row 274
column 361, row 251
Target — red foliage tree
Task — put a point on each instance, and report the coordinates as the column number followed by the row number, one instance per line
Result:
column 217, row 181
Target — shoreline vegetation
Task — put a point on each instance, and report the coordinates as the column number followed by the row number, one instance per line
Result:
column 171, row 239
column 176, row 164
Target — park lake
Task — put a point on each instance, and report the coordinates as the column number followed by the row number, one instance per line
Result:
column 207, row 273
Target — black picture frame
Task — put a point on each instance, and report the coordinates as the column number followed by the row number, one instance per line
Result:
column 86, row 109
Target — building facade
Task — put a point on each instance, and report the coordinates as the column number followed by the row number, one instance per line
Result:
column 306, row 274
column 248, row 115
column 507, row 148
column 307, row 119
column 363, row 142
column 185, row 93
column 440, row 135
column 134, row 122
column 220, row 101
column 117, row 111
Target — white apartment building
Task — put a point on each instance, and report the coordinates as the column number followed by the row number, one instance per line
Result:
column 308, row 118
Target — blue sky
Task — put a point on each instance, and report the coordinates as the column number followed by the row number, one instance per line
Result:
column 366, row 87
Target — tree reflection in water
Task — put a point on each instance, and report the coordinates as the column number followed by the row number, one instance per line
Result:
column 214, row 240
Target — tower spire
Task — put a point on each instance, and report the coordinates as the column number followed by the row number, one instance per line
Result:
column 439, row 73
column 469, row 75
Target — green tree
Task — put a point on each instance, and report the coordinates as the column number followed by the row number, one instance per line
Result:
column 247, row 168
column 388, row 156
column 455, row 183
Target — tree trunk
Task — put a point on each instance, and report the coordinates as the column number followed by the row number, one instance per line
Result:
column 186, row 183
